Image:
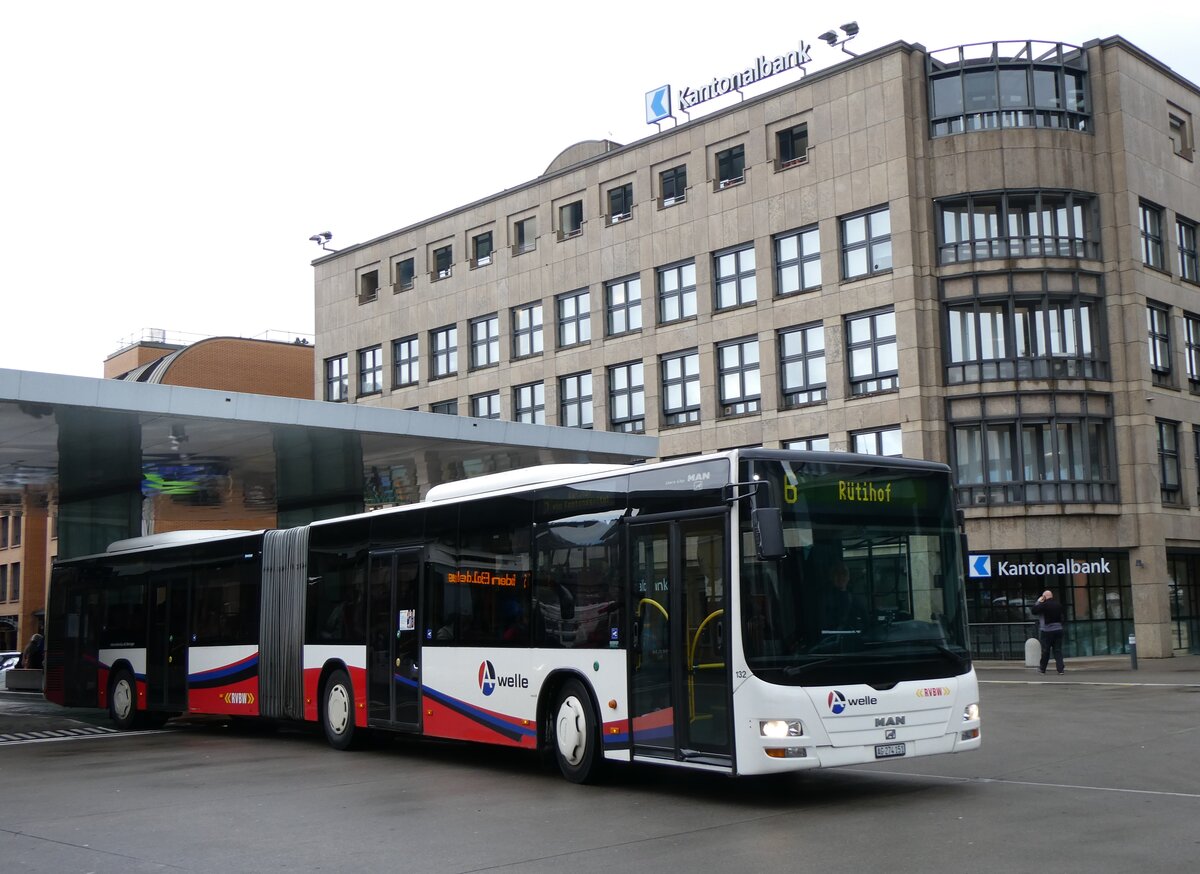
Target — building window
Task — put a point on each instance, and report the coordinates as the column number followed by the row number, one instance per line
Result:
column 1052, row 450
column 620, row 203
column 867, row 244
column 733, row 275
column 1018, row 335
column 485, row 341
column 1007, row 84
column 731, row 167
column 1017, row 224
column 623, row 306
column 871, row 349
column 802, row 365
column 527, row 330
column 1158, row 330
column 1196, row 445
column 529, row 403
column 406, row 355
column 574, row 318
column 627, row 398
column 368, row 285
column 3, row 582
column 4, row 531
column 443, row 263
column 878, row 441
column 672, row 185
column 681, row 388
column 370, row 370
column 792, row 146
column 404, row 274
column 575, row 401
column 337, row 378
column 677, row 292
column 14, row 590
column 486, row 406
column 1150, row 229
column 738, row 377
column 446, row 408
column 798, row 261
column 524, row 235
column 1191, row 326
column 481, row 249
column 16, row 529
column 443, row 350
column 570, row 220
column 1168, row 461
column 819, row 443
column 1185, row 240
column 1179, row 129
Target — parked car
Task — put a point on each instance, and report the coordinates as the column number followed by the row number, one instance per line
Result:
column 8, row 659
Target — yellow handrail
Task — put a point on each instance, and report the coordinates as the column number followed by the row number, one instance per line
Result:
column 692, row 667
column 660, row 607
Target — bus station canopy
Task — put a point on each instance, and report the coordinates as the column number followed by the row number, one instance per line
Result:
column 117, row 456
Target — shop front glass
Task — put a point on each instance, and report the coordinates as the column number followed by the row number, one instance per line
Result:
column 1093, row 586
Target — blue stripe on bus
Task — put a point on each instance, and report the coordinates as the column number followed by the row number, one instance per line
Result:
column 236, row 672
column 514, row 732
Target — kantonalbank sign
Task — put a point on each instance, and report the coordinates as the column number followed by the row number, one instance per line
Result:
column 982, row 567
column 658, row 101
column 762, row 68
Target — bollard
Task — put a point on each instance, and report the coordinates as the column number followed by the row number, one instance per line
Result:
column 1033, row 652
column 1133, row 652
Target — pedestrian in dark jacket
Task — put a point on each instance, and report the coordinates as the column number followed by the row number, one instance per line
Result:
column 1050, row 616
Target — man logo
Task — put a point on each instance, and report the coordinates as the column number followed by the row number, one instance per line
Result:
column 487, row 678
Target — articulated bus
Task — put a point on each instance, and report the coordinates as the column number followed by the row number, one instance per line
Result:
column 748, row 612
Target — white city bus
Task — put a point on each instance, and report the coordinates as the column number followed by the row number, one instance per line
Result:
column 748, row 612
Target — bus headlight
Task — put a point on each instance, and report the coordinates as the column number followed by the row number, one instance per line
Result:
column 971, row 713
column 781, row 728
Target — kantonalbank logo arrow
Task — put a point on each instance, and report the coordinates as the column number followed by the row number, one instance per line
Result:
column 979, row 565
column 658, row 104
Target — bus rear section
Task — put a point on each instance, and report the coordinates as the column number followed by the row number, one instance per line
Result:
column 157, row 627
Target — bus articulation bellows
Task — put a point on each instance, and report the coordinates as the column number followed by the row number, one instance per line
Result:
column 748, row 612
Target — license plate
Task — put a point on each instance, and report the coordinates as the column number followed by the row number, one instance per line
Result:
column 889, row 751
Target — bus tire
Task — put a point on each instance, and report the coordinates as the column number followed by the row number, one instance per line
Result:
column 337, row 711
column 574, row 734
column 122, row 701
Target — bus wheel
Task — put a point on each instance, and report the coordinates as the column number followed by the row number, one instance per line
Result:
column 574, row 735
column 337, row 713
column 122, row 701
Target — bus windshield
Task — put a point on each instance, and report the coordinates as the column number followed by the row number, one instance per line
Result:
column 870, row 589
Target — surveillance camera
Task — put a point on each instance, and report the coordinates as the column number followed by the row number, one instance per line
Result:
column 830, row 37
column 850, row 29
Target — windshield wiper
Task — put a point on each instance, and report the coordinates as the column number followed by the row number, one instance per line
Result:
column 796, row 670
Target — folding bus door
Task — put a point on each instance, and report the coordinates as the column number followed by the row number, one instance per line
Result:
column 679, row 667
column 393, row 645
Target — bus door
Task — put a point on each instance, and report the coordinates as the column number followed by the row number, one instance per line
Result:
column 167, row 645
column 679, row 676
column 73, row 625
column 393, row 645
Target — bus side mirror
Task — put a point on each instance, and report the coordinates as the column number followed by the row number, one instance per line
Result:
column 767, row 524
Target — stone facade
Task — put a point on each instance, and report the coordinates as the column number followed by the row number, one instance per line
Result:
column 1066, row 400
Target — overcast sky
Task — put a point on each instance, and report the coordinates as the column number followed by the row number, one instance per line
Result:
column 164, row 164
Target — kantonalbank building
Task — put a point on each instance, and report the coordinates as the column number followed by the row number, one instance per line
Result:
column 984, row 255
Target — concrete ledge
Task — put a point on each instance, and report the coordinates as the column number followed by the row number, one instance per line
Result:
column 23, row 679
